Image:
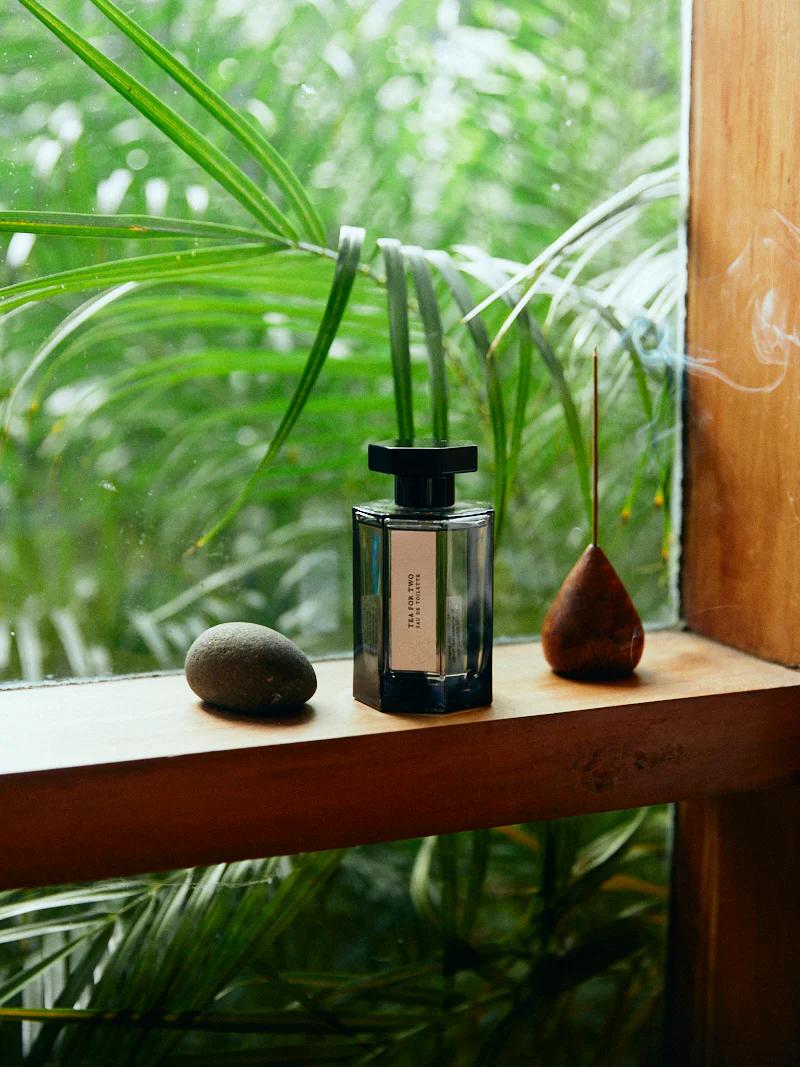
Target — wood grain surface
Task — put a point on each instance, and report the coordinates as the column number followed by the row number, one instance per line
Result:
column 736, row 932
column 134, row 774
column 741, row 546
column 734, row 994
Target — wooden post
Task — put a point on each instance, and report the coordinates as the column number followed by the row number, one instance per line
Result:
column 741, row 564
column 736, row 932
column 735, row 950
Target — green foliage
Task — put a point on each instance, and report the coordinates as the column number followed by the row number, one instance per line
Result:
column 143, row 419
column 455, row 950
column 218, row 107
column 398, row 334
column 350, row 242
column 219, row 394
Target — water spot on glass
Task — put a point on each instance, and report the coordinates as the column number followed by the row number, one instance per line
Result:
column 306, row 95
column 137, row 159
column 397, row 93
column 228, row 67
column 247, row 436
column 339, row 60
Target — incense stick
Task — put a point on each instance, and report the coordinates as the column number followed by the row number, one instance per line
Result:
column 595, row 450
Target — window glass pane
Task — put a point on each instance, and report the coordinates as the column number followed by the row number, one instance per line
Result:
column 139, row 401
column 138, row 407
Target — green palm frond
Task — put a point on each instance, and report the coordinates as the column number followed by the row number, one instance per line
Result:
column 350, row 242
column 398, row 334
column 434, row 338
column 245, row 133
column 133, row 227
column 218, row 166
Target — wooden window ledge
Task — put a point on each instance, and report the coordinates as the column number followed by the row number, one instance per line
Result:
column 115, row 777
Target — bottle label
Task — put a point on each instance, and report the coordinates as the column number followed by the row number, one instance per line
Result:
column 413, row 601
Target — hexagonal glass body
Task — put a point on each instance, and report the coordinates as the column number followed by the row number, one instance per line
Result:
column 422, row 611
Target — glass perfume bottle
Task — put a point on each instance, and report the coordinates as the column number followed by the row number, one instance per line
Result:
column 422, row 584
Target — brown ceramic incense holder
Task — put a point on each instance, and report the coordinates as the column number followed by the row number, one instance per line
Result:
column 592, row 629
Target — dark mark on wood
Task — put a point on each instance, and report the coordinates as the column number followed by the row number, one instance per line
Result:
column 647, row 761
column 602, row 771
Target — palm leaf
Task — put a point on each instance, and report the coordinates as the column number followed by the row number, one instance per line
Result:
column 240, row 910
column 599, row 852
column 24, row 931
column 480, row 841
column 81, row 978
column 447, row 850
column 420, row 884
column 78, row 224
column 571, row 417
column 249, row 136
column 68, row 898
column 484, row 268
column 480, row 337
column 65, row 329
column 397, row 298
column 156, row 267
column 191, row 141
column 522, row 395
column 643, row 190
column 17, row 982
column 432, row 323
column 326, row 1051
column 264, row 1022
column 351, row 240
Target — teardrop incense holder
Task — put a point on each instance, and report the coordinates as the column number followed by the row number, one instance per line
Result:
column 592, row 629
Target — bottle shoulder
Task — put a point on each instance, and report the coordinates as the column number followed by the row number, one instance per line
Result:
column 387, row 510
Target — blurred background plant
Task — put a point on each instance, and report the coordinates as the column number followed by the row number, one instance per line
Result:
column 484, row 126
column 142, row 396
column 525, row 944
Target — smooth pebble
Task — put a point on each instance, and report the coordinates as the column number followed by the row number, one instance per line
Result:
column 251, row 668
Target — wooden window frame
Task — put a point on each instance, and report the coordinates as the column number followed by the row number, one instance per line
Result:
column 130, row 775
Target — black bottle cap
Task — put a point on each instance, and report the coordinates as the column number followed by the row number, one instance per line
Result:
column 423, row 469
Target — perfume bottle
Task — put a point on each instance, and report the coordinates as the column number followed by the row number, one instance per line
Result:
column 422, row 584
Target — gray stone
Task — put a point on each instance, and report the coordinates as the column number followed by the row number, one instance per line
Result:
column 247, row 667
